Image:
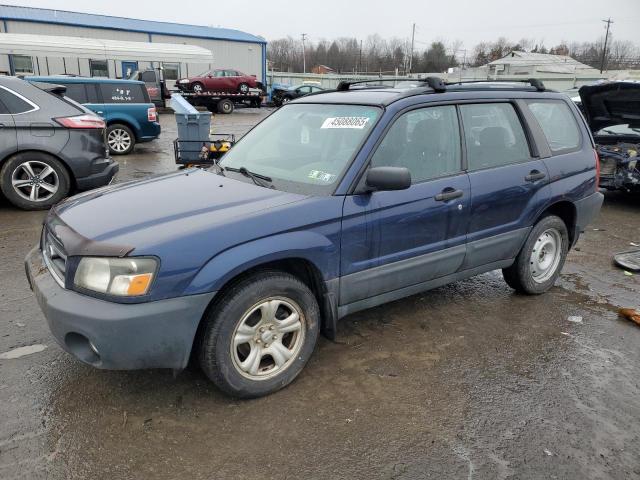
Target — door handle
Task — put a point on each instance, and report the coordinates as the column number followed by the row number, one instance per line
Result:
column 534, row 176
column 448, row 194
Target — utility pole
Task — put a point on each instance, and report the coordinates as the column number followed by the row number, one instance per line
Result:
column 304, row 59
column 606, row 38
column 413, row 38
column 360, row 58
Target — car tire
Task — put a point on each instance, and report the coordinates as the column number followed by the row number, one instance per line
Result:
column 234, row 350
column 225, row 106
column 197, row 87
column 120, row 139
column 285, row 100
column 243, row 88
column 541, row 258
column 34, row 180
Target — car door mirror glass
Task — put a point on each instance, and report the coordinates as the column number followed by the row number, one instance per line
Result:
column 388, row 178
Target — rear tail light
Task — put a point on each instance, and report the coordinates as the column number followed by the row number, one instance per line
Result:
column 152, row 115
column 81, row 121
column 595, row 152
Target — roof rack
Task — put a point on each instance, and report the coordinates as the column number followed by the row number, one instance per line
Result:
column 534, row 82
column 435, row 83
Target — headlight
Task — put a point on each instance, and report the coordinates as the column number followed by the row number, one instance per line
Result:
column 184, row 80
column 125, row 277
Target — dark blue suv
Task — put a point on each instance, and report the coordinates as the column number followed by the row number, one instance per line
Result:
column 335, row 203
column 125, row 105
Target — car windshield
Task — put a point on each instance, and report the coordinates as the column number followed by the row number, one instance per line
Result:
column 304, row 148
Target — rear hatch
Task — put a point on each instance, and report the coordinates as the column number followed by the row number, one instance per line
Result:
column 98, row 145
column 612, row 111
column 612, row 104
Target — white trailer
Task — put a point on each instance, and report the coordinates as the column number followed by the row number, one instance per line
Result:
column 27, row 54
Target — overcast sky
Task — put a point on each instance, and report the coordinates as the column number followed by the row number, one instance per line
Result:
column 470, row 21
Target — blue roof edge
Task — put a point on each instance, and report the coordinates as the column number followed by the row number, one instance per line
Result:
column 25, row 17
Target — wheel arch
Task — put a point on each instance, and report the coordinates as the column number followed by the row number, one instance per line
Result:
column 301, row 268
column 129, row 123
column 567, row 212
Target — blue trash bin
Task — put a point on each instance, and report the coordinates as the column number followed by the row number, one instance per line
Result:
column 193, row 129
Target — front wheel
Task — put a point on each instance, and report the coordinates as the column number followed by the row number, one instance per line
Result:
column 243, row 88
column 260, row 335
column 197, row 87
column 541, row 259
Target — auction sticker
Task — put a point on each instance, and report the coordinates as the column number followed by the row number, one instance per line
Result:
column 345, row 122
column 322, row 176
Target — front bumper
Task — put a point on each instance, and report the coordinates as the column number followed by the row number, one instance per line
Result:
column 99, row 179
column 117, row 336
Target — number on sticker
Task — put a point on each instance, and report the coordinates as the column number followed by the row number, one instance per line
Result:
column 345, row 122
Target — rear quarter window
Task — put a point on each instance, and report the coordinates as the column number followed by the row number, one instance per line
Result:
column 123, row 93
column 558, row 124
column 13, row 103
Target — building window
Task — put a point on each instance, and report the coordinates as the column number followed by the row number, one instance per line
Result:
column 22, row 64
column 171, row 71
column 99, row 68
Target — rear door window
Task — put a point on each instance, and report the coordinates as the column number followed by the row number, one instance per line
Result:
column 122, row 93
column 93, row 95
column 14, row 104
column 558, row 124
column 426, row 141
column 76, row 91
column 493, row 135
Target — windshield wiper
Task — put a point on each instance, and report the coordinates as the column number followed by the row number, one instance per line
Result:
column 260, row 180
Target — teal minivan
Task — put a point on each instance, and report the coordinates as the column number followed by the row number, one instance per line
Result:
column 130, row 115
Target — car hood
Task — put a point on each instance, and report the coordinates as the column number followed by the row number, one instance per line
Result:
column 140, row 214
column 611, row 103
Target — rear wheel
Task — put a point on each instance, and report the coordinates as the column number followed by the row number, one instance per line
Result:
column 260, row 335
column 120, row 139
column 541, row 259
column 225, row 106
column 34, row 180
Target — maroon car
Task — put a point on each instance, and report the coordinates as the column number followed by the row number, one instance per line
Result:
column 221, row 80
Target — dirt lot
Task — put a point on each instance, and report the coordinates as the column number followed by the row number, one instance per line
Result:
column 466, row 381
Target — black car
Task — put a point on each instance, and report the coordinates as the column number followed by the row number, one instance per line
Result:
column 612, row 110
column 281, row 96
column 49, row 145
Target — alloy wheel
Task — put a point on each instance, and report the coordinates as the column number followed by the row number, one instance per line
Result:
column 268, row 338
column 119, row 140
column 35, row 181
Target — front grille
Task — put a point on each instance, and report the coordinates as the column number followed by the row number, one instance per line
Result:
column 54, row 255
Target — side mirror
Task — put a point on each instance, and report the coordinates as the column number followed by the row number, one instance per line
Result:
column 388, row 178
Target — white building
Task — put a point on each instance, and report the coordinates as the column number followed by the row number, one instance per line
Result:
column 525, row 63
column 229, row 48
